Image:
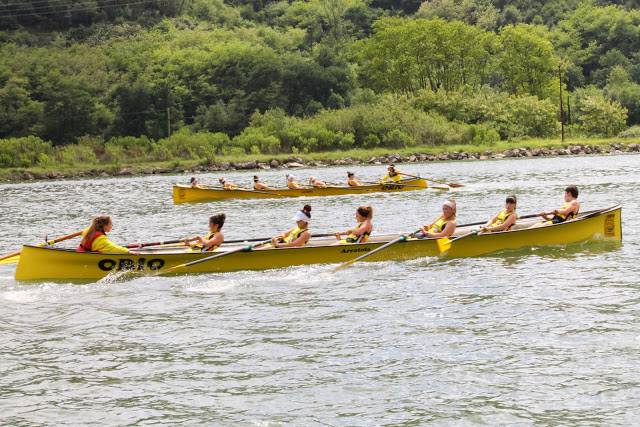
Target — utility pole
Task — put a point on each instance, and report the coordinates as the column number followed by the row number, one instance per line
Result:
column 561, row 105
column 168, row 115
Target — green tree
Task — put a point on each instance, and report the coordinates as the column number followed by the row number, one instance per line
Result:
column 526, row 61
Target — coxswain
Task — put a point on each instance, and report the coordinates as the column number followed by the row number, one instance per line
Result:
column 392, row 174
column 444, row 225
column 257, row 185
column 297, row 236
column 212, row 240
column 317, row 183
column 292, row 183
column 361, row 232
column 568, row 211
column 503, row 220
column 94, row 238
column 227, row 185
column 352, row 181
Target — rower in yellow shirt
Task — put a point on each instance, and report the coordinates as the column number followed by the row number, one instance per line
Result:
column 393, row 175
column 94, row 238
column 227, row 185
column 503, row 220
column 352, row 181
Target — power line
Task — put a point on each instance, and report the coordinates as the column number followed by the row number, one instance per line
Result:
column 68, row 10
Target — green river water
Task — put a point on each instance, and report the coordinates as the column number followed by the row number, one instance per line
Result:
column 544, row 336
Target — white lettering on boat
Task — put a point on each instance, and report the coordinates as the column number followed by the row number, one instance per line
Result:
column 130, row 264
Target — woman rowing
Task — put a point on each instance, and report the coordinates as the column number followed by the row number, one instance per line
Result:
column 444, row 225
column 257, row 185
column 361, row 232
column 94, row 238
column 292, row 184
column 503, row 220
column 212, row 240
column 227, row 185
column 352, row 181
column 316, row 183
column 193, row 182
column 568, row 211
column 297, row 236
column 393, row 175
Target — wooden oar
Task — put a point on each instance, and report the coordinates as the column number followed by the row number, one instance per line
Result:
column 444, row 244
column 450, row 184
column 254, row 191
column 160, row 243
column 209, row 258
column 368, row 254
column 15, row 255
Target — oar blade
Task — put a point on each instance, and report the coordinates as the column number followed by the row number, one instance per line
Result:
column 444, row 244
column 11, row 260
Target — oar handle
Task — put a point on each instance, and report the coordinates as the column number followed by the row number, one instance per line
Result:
column 48, row 242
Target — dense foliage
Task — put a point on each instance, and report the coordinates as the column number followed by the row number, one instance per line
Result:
column 201, row 78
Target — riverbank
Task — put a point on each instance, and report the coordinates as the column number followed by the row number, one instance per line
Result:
column 512, row 149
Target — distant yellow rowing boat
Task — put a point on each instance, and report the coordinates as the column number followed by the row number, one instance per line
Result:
column 42, row 263
column 187, row 194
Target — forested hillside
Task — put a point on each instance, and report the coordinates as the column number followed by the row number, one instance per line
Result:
column 87, row 80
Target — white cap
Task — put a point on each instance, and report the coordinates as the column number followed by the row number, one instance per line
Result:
column 290, row 176
column 301, row 216
column 449, row 203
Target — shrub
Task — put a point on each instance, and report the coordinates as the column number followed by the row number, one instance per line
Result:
column 632, row 132
column 195, row 146
column 23, row 152
column 75, row 153
column 598, row 115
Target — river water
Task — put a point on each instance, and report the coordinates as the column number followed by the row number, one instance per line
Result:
column 540, row 336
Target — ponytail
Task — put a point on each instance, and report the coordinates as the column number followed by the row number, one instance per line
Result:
column 307, row 210
column 365, row 211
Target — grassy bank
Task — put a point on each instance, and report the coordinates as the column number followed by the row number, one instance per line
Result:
column 123, row 168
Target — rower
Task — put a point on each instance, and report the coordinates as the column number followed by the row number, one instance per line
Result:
column 317, row 183
column 444, row 225
column 392, row 174
column 94, row 238
column 227, row 185
column 212, row 240
column 505, row 219
column 297, row 236
column 292, row 183
column 193, row 182
column 568, row 211
column 257, row 185
column 361, row 232
column 352, row 181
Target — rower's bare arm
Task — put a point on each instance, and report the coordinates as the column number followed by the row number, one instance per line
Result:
column 217, row 240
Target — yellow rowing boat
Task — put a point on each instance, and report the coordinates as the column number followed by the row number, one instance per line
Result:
column 187, row 194
column 45, row 263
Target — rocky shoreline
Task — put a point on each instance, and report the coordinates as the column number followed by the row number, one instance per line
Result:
column 298, row 162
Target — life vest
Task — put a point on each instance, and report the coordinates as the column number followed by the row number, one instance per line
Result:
column 87, row 247
column 353, row 238
column 502, row 217
column 293, row 236
column 211, row 248
column 558, row 218
column 438, row 226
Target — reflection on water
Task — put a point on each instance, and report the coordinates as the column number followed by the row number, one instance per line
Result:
column 532, row 336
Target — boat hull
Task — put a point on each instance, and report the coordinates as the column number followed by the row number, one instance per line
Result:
column 186, row 194
column 38, row 263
